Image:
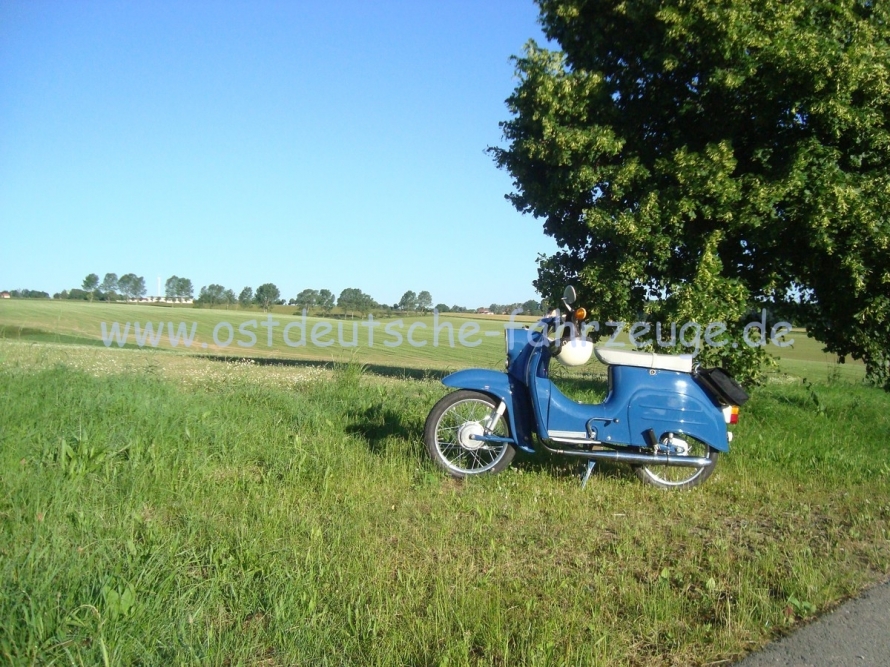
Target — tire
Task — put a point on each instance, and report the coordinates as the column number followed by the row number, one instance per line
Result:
column 668, row 477
column 449, row 425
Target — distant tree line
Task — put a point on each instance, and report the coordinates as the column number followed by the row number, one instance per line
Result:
column 352, row 301
column 111, row 288
column 28, row 294
column 530, row 307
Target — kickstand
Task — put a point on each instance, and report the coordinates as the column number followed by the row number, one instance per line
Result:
column 590, row 465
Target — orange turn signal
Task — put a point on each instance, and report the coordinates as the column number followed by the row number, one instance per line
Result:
column 580, row 314
column 734, row 416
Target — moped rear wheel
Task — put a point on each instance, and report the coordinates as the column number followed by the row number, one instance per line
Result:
column 449, row 429
column 669, row 477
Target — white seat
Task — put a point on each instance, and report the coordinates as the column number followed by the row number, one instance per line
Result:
column 665, row 362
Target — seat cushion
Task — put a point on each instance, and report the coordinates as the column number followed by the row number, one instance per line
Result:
column 665, row 362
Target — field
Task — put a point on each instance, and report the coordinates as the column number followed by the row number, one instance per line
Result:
column 272, row 505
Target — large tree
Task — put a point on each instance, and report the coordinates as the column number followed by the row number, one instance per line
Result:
column 408, row 301
column 212, row 294
column 90, row 284
column 245, row 298
column 693, row 157
column 177, row 287
column 307, row 299
column 326, row 300
column 109, row 283
column 131, row 286
column 266, row 295
column 424, row 301
column 353, row 300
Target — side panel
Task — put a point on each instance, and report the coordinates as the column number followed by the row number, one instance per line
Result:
column 568, row 419
column 501, row 386
column 669, row 401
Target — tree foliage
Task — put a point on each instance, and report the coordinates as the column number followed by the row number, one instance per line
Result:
column 109, row 283
column 35, row 294
column 266, row 295
column 353, row 300
column 307, row 299
column 179, row 288
column 245, row 298
column 90, row 285
column 691, row 157
column 408, row 301
column 131, row 286
column 424, row 301
column 326, row 300
column 212, row 295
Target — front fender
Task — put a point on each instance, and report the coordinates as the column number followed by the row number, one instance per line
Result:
column 499, row 386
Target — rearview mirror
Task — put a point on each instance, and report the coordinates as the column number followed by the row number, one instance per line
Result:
column 569, row 295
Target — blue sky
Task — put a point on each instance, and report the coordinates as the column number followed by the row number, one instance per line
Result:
column 306, row 143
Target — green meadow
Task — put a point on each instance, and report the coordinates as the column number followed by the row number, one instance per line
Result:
column 273, row 505
column 446, row 342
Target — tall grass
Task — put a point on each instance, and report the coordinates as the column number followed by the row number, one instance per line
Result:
column 149, row 520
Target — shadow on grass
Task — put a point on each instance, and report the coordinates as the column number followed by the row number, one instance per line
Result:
column 565, row 467
column 34, row 335
column 400, row 372
column 380, row 423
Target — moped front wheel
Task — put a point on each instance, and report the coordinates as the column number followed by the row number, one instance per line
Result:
column 669, row 477
column 453, row 426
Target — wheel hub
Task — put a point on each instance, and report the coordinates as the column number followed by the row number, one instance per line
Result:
column 465, row 435
column 673, row 446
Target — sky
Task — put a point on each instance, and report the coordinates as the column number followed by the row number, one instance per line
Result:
column 311, row 144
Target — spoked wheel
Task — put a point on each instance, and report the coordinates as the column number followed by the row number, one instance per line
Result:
column 671, row 477
column 451, row 425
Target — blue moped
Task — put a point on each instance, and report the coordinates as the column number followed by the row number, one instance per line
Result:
column 663, row 415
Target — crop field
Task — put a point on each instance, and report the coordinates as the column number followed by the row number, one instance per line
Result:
column 420, row 343
column 272, row 504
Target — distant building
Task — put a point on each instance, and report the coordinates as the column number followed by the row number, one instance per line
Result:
column 4, row 295
column 483, row 311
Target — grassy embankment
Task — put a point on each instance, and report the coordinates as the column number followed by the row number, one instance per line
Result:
column 163, row 508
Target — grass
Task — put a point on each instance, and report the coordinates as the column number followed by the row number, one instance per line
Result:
column 164, row 508
column 52, row 321
column 46, row 321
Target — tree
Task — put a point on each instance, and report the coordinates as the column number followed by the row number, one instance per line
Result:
column 131, row 286
column 424, row 301
column 532, row 307
column 211, row 295
column 691, row 158
column 109, row 283
column 408, row 301
column 37, row 294
column 229, row 298
column 177, row 287
column 185, row 288
column 354, row 300
column 90, row 284
column 325, row 300
column 246, row 297
column 307, row 299
column 171, row 287
column 266, row 295
column 443, row 308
